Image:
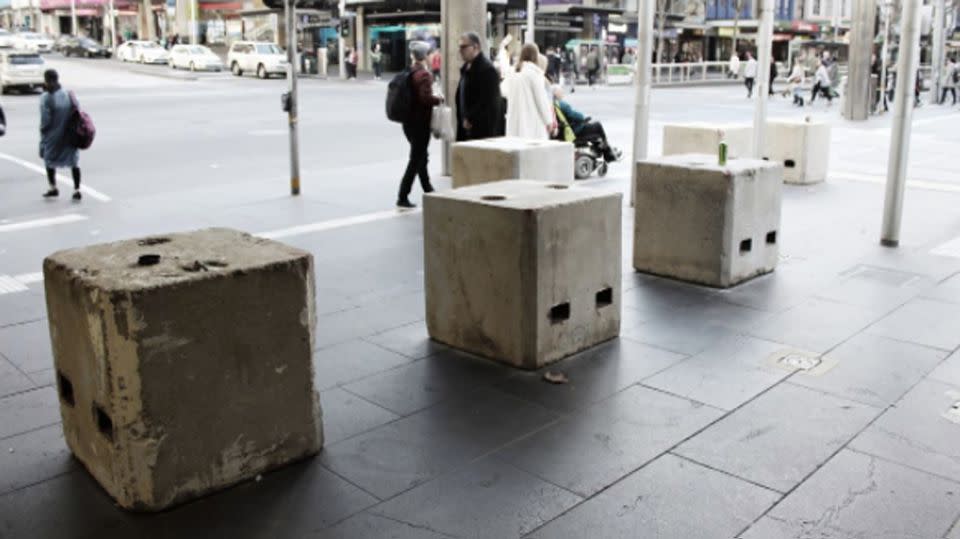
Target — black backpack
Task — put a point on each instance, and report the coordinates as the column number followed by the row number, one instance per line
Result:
column 400, row 97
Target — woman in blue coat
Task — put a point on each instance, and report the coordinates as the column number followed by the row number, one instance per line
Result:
column 57, row 148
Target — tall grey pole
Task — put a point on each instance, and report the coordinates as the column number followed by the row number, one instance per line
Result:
column 887, row 8
column 113, row 26
column 835, row 19
column 458, row 17
column 909, row 58
column 532, row 19
column 857, row 98
column 341, row 43
column 194, row 22
column 73, row 18
column 939, row 18
column 764, row 52
column 290, row 12
column 641, row 106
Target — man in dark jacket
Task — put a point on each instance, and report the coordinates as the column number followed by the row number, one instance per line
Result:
column 417, row 126
column 478, row 94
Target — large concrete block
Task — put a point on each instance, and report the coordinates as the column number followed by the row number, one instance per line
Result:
column 705, row 138
column 507, row 158
column 522, row 272
column 183, row 362
column 700, row 222
column 801, row 146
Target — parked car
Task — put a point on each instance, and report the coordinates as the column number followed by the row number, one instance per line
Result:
column 194, row 58
column 60, row 41
column 6, row 38
column 86, row 47
column 264, row 59
column 32, row 41
column 145, row 52
column 21, row 69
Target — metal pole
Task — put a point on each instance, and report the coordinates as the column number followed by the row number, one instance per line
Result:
column 857, row 101
column 641, row 107
column 909, row 58
column 113, row 27
column 939, row 16
column 290, row 12
column 73, row 17
column 836, row 19
column 341, row 43
column 764, row 52
column 194, row 24
column 884, row 50
column 531, row 21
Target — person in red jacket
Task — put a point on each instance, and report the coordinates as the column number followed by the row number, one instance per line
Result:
column 417, row 126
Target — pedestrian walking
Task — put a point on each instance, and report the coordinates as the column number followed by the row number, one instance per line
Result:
column 948, row 81
column 821, row 84
column 734, row 66
column 57, row 148
column 416, row 127
column 593, row 65
column 629, row 58
column 529, row 110
column 376, row 56
column 554, row 64
column 436, row 63
column 478, row 93
column 796, row 81
column 773, row 75
column 750, row 74
column 351, row 60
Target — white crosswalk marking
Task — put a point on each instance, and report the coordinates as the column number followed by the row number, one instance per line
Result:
column 9, row 285
column 48, row 221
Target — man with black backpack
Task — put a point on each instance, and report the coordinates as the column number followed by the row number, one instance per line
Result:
column 59, row 147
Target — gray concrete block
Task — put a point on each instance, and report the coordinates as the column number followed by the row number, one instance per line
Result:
column 522, row 272
column 709, row 224
column 700, row 137
column 507, row 158
column 187, row 375
column 801, row 146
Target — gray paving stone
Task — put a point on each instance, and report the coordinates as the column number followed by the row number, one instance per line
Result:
column 653, row 295
column 872, row 369
column 28, row 411
column 946, row 290
column 27, row 346
column 43, row 378
column 425, row 382
column 33, row 457
column 726, row 375
column 11, row 379
column 858, row 496
column 915, row 432
column 955, row 531
column 876, row 288
column 780, row 437
column 411, row 341
column 346, row 362
column 461, row 504
column 949, row 371
column 816, row 325
column 923, row 321
column 369, row 319
column 719, row 312
column 673, row 332
column 595, row 448
column 670, row 498
column 593, row 375
column 413, row 450
column 775, row 292
column 19, row 308
column 346, row 415
column 373, row 526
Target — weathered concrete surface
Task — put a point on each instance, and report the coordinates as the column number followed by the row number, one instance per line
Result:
column 522, row 272
column 184, row 377
column 506, row 158
column 700, row 222
column 801, row 146
column 705, row 138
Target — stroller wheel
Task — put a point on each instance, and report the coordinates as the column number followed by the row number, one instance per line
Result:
column 583, row 167
column 602, row 169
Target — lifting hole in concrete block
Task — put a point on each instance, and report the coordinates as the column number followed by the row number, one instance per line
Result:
column 746, row 245
column 493, row 198
column 66, row 389
column 104, row 423
column 772, row 237
column 605, row 298
column 148, row 260
column 789, row 163
column 560, row 313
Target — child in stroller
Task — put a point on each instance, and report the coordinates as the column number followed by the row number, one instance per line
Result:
column 593, row 152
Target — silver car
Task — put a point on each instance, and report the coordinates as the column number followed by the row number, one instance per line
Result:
column 21, row 69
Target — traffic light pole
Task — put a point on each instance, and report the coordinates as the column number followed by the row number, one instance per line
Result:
column 290, row 13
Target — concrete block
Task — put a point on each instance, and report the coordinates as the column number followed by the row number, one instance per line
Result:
column 522, row 272
column 508, row 158
column 802, row 147
column 183, row 362
column 700, row 222
column 705, row 138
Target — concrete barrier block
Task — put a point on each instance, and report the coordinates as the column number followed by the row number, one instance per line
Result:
column 802, row 147
column 507, row 158
column 700, row 222
column 523, row 272
column 183, row 362
column 705, row 138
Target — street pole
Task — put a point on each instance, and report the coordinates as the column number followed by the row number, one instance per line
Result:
column 939, row 16
column 531, row 21
column 194, row 26
column 909, row 58
column 341, row 43
column 641, row 107
column 764, row 52
column 73, row 17
column 113, row 27
column 290, row 12
column 884, row 50
column 857, row 101
column 837, row 4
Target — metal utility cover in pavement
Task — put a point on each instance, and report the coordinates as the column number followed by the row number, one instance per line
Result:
column 879, row 275
column 808, row 363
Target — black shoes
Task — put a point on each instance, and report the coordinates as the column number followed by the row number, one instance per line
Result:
column 52, row 193
column 406, row 204
column 77, row 196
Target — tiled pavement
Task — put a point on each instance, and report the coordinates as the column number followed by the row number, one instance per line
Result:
column 685, row 427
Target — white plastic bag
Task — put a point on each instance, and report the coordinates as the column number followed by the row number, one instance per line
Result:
column 441, row 123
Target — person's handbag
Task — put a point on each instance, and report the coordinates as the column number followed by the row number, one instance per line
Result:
column 81, row 128
column 441, row 123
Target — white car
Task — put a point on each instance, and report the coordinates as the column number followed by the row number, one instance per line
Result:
column 145, row 52
column 21, row 69
column 194, row 58
column 264, row 59
column 6, row 38
column 33, row 42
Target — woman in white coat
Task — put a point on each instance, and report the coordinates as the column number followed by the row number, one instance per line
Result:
column 529, row 111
